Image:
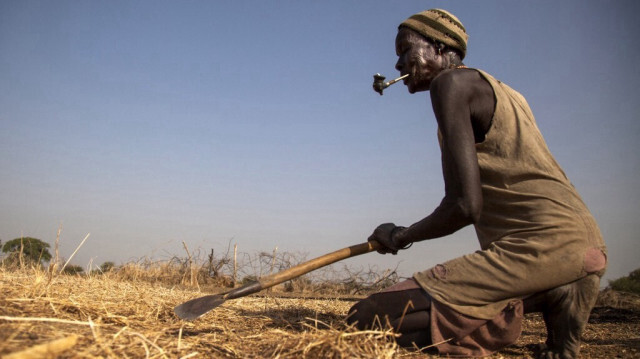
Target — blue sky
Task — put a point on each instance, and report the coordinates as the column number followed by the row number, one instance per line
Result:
column 149, row 123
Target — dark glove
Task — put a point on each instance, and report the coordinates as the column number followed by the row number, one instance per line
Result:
column 386, row 235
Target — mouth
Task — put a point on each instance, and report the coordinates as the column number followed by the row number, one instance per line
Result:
column 405, row 78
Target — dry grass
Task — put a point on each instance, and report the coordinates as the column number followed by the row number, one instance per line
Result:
column 111, row 317
column 119, row 316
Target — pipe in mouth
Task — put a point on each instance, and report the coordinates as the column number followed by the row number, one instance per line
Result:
column 379, row 85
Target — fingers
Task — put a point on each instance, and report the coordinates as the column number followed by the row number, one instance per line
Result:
column 382, row 235
column 383, row 249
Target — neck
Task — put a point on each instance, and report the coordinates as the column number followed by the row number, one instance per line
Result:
column 455, row 63
column 453, row 60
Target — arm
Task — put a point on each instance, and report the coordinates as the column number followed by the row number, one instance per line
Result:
column 453, row 95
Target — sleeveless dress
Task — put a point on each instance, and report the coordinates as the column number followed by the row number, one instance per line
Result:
column 535, row 232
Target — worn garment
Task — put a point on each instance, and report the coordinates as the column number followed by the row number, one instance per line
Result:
column 421, row 321
column 459, row 335
column 534, row 230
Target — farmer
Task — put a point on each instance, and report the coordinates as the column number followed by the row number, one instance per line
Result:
column 541, row 248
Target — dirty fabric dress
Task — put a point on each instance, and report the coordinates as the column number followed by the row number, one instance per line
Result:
column 535, row 231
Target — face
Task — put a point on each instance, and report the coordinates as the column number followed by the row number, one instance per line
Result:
column 418, row 58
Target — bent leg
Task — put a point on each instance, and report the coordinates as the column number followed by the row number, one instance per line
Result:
column 566, row 311
column 404, row 310
column 415, row 329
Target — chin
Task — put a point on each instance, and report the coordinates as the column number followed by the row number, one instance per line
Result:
column 412, row 88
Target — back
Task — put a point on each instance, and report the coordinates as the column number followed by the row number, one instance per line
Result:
column 524, row 189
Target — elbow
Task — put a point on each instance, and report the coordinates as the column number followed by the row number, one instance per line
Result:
column 474, row 215
column 468, row 210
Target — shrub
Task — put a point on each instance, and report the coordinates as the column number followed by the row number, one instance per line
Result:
column 73, row 269
column 249, row 279
column 630, row 283
column 107, row 266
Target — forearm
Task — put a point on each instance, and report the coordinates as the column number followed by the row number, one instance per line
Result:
column 449, row 217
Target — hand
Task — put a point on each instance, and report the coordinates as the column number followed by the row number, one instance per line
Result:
column 386, row 235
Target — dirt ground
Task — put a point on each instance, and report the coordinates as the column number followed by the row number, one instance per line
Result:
column 102, row 316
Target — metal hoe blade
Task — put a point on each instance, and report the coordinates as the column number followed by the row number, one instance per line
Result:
column 194, row 308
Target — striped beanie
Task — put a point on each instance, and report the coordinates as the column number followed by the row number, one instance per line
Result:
column 440, row 25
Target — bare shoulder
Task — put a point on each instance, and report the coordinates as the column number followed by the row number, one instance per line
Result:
column 461, row 84
column 460, row 95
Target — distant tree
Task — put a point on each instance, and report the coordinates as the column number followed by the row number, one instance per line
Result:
column 107, row 266
column 73, row 269
column 33, row 250
column 630, row 283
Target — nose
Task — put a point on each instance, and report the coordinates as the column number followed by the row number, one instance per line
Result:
column 399, row 64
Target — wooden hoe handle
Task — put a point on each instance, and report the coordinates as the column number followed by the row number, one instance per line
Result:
column 195, row 308
column 313, row 264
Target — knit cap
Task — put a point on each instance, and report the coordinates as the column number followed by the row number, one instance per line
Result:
column 440, row 25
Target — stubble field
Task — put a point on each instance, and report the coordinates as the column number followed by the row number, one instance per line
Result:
column 111, row 316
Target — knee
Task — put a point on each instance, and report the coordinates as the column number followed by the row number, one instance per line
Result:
column 581, row 293
column 363, row 315
column 358, row 315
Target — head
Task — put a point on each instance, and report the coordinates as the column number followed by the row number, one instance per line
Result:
column 427, row 44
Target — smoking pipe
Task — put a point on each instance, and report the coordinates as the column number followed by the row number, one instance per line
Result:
column 379, row 84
